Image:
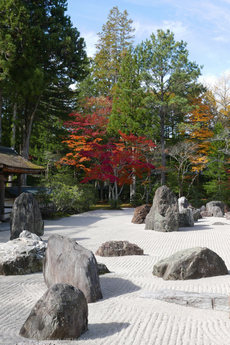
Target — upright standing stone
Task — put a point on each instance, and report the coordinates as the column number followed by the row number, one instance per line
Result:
column 164, row 213
column 26, row 215
column 68, row 262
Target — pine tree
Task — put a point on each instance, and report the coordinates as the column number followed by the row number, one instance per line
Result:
column 114, row 40
column 169, row 79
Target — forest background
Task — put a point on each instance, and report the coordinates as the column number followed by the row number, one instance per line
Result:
column 137, row 116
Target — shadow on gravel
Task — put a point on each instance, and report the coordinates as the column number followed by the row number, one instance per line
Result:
column 103, row 330
column 196, row 227
column 113, row 286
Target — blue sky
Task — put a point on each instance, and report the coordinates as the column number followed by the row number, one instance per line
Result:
column 204, row 25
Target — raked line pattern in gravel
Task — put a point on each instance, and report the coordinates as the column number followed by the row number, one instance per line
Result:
column 123, row 316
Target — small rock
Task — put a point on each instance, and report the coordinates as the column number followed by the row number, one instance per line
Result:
column 119, row 248
column 140, row 214
column 102, row 269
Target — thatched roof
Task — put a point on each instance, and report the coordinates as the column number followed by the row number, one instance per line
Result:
column 11, row 162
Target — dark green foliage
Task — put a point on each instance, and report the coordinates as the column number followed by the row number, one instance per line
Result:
column 43, row 56
column 129, row 113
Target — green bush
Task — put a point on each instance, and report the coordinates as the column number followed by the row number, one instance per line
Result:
column 66, row 196
column 115, row 204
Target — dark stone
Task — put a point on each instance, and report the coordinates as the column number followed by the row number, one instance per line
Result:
column 226, row 208
column 190, row 263
column 22, row 255
column 164, row 213
column 102, row 269
column 26, row 215
column 62, row 313
column 119, row 248
column 186, row 218
column 68, row 262
column 196, row 215
column 140, row 214
column 216, row 208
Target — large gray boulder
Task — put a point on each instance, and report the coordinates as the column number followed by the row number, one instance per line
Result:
column 68, row 262
column 216, row 208
column 190, row 263
column 22, row 255
column 119, row 248
column 61, row 313
column 26, row 215
column 164, row 213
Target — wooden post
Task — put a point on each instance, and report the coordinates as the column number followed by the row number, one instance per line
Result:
column 19, row 184
column 2, row 197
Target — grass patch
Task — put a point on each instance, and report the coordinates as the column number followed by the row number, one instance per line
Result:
column 106, row 206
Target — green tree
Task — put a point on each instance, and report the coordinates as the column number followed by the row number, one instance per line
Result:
column 114, row 40
column 48, row 54
column 169, row 79
column 217, row 171
column 129, row 113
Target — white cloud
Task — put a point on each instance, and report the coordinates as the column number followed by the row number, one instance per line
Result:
column 221, row 39
column 208, row 80
column 143, row 30
column 91, row 39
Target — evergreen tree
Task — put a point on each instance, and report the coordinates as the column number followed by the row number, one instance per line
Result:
column 129, row 113
column 114, row 40
column 48, row 56
column 170, row 79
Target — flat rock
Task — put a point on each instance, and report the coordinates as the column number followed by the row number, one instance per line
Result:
column 61, row 313
column 212, row 301
column 119, row 248
column 68, row 262
column 190, row 263
column 22, row 255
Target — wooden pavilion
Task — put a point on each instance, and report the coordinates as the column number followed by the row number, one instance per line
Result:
column 11, row 163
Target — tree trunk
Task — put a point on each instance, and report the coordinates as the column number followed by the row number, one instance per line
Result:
column 133, row 188
column 163, row 162
column 0, row 116
column 26, row 137
column 13, row 133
